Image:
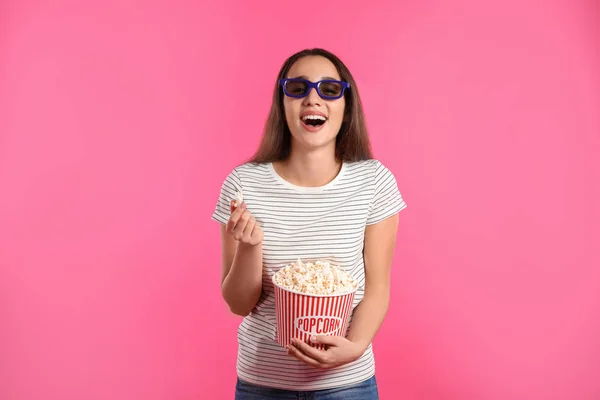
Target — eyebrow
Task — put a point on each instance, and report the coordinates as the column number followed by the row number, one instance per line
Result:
column 322, row 78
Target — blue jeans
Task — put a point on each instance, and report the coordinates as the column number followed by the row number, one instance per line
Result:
column 366, row 390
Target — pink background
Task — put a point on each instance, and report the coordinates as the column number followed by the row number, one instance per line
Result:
column 115, row 122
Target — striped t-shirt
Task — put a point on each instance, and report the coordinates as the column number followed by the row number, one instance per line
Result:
column 307, row 223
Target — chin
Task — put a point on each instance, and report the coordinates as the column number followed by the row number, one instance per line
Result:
column 313, row 143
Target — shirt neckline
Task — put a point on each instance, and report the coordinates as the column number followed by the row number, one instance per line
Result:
column 306, row 189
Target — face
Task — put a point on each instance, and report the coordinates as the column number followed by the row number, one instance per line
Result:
column 314, row 122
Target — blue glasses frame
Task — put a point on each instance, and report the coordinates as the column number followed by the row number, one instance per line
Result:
column 314, row 85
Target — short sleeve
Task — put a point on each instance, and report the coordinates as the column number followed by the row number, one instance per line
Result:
column 230, row 186
column 387, row 199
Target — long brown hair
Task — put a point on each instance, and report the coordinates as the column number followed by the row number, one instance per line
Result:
column 352, row 141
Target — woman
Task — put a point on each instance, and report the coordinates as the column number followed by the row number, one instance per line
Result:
column 311, row 191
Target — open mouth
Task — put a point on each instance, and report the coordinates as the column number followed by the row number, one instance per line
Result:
column 314, row 120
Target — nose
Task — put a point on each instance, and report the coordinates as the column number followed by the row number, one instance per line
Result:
column 312, row 98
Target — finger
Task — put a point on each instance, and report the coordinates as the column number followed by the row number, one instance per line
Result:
column 235, row 203
column 235, row 217
column 328, row 340
column 295, row 352
column 257, row 232
column 238, row 231
column 247, row 234
column 310, row 351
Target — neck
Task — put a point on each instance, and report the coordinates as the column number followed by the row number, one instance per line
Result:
column 312, row 169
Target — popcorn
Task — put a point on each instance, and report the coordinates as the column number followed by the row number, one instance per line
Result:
column 313, row 298
column 316, row 278
column 239, row 199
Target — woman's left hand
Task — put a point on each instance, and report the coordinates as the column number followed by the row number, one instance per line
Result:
column 339, row 351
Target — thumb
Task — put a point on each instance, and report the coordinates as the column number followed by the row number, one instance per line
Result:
column 325, row 339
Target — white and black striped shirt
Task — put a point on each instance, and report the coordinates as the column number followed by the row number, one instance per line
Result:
column 307, row 223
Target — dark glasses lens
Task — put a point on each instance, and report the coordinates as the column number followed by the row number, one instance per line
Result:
column 330, row 89
column 296, row 88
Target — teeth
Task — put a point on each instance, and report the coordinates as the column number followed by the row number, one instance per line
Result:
column 320, row 117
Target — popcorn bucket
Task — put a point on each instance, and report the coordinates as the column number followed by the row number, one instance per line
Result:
column 302, row 315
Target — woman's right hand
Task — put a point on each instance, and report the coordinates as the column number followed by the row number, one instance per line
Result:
column 243, row 226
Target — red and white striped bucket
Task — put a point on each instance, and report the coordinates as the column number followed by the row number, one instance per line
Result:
column 302, row 315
